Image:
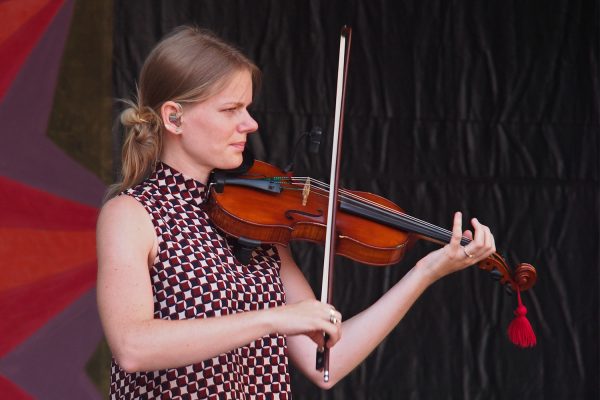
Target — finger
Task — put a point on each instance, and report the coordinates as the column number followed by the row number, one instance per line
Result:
column 456, row 229
column 468, row 234
column 479, row 236
column 490, row 244
column 317, row 337
column 323, row 336
column 489, row 238
column 483, row 241
column 493, row 244
column 334, row 337
column 334, row 317
column 330, row 313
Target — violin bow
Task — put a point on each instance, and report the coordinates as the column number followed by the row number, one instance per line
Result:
column 322, row 361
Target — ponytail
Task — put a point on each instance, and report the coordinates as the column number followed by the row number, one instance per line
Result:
column 142, row 146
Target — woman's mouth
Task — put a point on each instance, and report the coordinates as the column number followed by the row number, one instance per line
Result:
column 239, row 145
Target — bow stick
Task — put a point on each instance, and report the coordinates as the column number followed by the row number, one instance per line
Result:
column 331, row 234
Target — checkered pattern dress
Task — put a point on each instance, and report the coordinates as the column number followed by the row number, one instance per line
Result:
column 195, row 275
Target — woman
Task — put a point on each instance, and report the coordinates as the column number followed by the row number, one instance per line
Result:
column 182, row 316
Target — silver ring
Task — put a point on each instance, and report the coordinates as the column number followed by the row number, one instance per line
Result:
column 467, row 253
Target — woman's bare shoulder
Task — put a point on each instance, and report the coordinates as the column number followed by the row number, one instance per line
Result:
column 124, row 213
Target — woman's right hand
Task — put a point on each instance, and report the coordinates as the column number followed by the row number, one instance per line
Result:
column 311, row 318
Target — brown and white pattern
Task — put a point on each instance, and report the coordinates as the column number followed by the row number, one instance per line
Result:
column 196, row 275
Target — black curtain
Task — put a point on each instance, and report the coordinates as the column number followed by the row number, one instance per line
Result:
column 489, row 107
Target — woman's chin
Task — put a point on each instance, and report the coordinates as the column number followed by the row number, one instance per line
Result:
column 232, row 162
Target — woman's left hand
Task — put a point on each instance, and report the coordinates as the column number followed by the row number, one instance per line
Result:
column 453, row 256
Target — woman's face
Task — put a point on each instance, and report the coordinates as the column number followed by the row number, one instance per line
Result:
column 214, row 132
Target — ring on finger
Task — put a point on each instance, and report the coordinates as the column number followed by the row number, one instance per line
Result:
column 469, row 255
column 332, row 317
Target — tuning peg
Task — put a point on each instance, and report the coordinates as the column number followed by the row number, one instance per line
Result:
column 496, row 275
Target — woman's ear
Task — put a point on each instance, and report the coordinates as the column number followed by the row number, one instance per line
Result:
column 171, row 113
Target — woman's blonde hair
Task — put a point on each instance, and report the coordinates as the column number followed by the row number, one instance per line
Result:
column 188, row 65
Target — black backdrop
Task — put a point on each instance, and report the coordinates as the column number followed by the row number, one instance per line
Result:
column 489, row 107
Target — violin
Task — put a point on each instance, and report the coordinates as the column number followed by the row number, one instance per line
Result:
column 265, row 205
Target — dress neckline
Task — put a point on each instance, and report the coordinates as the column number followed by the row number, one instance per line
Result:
column 171, row 181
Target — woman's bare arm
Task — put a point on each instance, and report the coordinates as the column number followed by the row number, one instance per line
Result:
column 126, row 243
column 363, row 332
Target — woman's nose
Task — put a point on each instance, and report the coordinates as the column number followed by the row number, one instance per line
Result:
column 249, row 124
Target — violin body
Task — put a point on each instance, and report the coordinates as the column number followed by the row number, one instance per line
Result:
column 282, row 217
column 370, row 229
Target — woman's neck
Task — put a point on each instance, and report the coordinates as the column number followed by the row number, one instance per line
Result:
column 187, row 167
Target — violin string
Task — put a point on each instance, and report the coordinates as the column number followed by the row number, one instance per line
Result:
column 349, row 195
column 344, row 194
column 323, row 190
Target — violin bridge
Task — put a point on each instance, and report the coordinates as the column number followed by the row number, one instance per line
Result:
column 306, row 191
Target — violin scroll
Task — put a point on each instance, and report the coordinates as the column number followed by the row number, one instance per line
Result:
column 525, row 276
column 522, row 278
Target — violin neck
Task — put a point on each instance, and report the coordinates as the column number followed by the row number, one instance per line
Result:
column 398, row 220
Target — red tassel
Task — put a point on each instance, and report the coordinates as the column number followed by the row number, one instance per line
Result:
column 520, row 331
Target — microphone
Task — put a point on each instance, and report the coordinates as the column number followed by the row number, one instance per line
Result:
column 314, row 142
column 314, row 135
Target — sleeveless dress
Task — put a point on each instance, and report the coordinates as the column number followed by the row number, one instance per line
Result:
column 196, row 275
